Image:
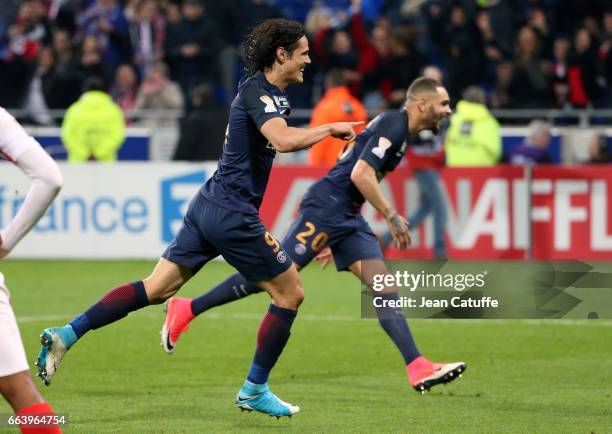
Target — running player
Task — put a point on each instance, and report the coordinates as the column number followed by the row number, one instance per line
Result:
column 330, row 216
column 223, row 218
column 16, row 383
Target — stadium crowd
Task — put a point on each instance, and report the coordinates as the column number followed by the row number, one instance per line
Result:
column 523, row 53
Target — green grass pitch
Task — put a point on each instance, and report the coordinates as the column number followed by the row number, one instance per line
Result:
column 343, row 371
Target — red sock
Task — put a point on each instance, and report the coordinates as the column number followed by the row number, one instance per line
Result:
column 38, row 409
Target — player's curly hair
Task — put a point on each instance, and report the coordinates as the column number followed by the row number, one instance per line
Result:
column 261, row 44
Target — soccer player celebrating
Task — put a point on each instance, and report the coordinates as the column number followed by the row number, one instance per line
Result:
column 223, row 218
column 16, row 383
column 330, row 216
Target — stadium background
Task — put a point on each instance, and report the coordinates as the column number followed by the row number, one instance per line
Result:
column 511, row 49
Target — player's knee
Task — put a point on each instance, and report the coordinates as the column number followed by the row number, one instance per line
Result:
column 290, row 296
column 297, row 295
column 157, row 293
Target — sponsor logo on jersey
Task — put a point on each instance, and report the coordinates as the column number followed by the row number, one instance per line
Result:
column 383, row 145
column 281, row 257
column 281, row 101
column 270, row 107
column 283, row 104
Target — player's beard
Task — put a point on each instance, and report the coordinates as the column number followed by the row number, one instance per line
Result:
column 435, row 121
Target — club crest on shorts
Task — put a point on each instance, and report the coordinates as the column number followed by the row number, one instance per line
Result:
column 300, row 248
column 281, row 257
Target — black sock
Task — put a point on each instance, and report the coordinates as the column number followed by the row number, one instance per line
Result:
column 233, row 288
column 393, row 322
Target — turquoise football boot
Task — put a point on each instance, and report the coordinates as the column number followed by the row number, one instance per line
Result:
column 55, row 342
column 257, row 397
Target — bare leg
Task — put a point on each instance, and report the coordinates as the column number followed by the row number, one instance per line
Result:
column 19, row 390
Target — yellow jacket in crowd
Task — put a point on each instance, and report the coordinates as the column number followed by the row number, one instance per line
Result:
column 93, row 128
column 473, row 138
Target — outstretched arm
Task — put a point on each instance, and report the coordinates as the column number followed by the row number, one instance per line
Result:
column 46, row 183
column 289, row 139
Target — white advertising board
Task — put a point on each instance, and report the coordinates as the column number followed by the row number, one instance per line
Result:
column 124, row 210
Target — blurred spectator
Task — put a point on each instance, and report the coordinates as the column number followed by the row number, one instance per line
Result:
column 173, row 14
column 497, row 25
column 157, row 92
column 147, row 31
column 350, row 50
column 192, row 47
column 319, row 17
column 474, row 137
column 31, row 27
column 463, row 51
column 502, row 95
column 66, row 81
column 493, row 49
column 91, row 63
column 130, row 9
column 94, row 127
column 583, row 74
column 255, row 11
column 203, row 130
column 403, row 68
column 599, row 149
column 40, row 87
column 560, row 68
column 105, row 20
column 15, row 74
column 228, row 15
column 124, row 88
column 605, row 53
column 62, row 14
column 538, row 20
column 337, row 105
column 535, row 149
column 426, row 159
column 335, row 49
column 433, row 72
column 22, row 41
column 529, row 72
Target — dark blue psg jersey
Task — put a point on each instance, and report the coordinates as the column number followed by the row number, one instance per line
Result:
column 244, row 167
column 381, row 144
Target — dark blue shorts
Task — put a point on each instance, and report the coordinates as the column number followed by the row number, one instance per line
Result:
column 350, row 237
column 209, row 230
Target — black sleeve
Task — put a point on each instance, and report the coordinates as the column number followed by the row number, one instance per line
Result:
column 259, row 103
column 389, row 133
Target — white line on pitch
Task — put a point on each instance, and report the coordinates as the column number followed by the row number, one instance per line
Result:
column 349, row 318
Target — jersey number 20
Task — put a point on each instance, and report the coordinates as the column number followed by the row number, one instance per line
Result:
column 318, row 242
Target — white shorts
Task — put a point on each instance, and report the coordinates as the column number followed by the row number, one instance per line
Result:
column 12, row 354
